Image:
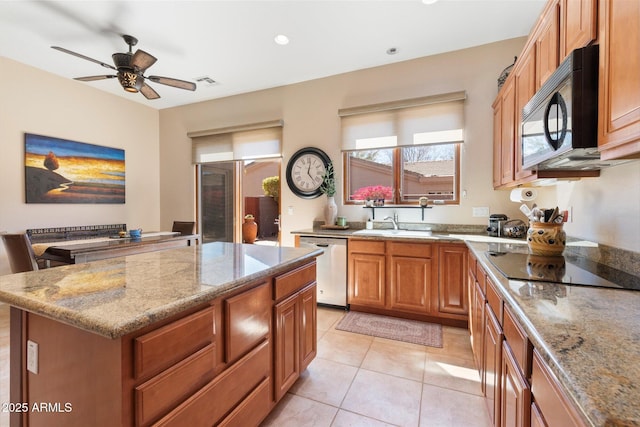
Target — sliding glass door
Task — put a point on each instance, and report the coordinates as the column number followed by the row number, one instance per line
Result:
column 217, row 207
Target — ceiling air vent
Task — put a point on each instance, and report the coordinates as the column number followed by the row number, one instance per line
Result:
column 205, row 81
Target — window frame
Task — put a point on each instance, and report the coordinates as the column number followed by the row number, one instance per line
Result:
column 397, row 178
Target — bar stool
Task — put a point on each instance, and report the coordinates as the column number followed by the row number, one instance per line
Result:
column 184, row 227
column 20, row 253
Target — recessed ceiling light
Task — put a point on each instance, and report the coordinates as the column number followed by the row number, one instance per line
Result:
column 429, row 1
column 281, row 39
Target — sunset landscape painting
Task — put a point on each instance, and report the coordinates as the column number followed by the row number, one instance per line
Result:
column 62, row 171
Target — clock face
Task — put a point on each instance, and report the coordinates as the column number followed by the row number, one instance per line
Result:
column 305, row 172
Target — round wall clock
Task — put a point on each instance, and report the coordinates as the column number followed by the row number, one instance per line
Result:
column 305, row 172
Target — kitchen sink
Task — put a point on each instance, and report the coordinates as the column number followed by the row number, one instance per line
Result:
column 392, row 233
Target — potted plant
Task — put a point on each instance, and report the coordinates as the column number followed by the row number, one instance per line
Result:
column 328, row 188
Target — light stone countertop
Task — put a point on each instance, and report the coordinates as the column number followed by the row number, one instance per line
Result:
column 117, row 296
column 589, row 337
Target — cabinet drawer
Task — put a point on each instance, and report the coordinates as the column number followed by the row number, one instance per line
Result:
column 481, row 277
column 253, row 409
column 472, row 264
column 222, row 394
column 294, row 280
column 494, row 300
column 520, row 345
column 422, row 250
column 165, row 391
column 157, row 350
column 366, row 246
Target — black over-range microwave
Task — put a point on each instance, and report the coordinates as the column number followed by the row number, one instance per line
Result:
column 560, row 123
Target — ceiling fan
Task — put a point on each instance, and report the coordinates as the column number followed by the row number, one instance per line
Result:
column 131, row 67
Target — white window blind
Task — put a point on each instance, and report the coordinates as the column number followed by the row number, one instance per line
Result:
column 254, row 141
column 437, row 119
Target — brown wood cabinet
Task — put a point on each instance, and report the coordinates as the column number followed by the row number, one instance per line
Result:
column 515, row 393
column 366, row 273
column 295, row 337
column 411, row 277
column 578, row 25
column 547, row 42
column 406, row 279
column 619, row 85
column 551, row 405
column 504, row 134
column 452, row 279
column 220, row 363
column 492, row 365
column 564, row 25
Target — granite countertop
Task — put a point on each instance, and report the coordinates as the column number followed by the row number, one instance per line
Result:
column 589, row 337
column 117, row 296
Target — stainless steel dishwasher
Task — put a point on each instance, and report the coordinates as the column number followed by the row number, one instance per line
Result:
column 331, row 269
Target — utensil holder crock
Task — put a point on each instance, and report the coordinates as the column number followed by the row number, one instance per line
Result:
column 545, row 238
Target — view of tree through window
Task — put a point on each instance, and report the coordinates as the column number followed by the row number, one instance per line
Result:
column 403, row 174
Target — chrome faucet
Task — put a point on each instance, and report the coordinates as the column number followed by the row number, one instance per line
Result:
column 394, row 220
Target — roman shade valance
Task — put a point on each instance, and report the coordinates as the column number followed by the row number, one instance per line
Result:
column 437, row 119
column 250, row 141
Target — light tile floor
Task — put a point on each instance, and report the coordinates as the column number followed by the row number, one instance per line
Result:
column 358, row 380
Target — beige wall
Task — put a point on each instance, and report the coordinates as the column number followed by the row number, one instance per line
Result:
column 309, row 111
column 38, row 102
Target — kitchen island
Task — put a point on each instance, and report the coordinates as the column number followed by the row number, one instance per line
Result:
column 214, row 333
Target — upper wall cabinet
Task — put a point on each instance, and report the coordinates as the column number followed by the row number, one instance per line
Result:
column 563, row 26
column 579, row 25
column 619, row 95
column 547, row 42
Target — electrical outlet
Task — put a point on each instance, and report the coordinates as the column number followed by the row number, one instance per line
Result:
column 480, row 212
column 32, row 357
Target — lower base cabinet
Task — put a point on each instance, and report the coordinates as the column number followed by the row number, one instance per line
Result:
column 515, row 397
column 226, row 362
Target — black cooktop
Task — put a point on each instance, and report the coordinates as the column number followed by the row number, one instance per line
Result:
column 567, row 269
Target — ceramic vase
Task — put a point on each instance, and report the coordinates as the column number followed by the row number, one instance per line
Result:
column 249, row 230
column 548, row 239
column 330, row 211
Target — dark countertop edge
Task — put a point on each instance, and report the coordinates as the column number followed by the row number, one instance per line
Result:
column 114, row 331
column 538, row 343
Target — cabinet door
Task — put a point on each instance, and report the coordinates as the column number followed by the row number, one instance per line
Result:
column 515, row 394
column 287, row 364
column 497, row 142
column 492, row 364
column 525, row 82
column 452, row 268
column 578, row 26
column 547, row 44
column 367, row 280
column 248, row 320
column 619, row 86
column 477, row 337
column 410, row 284
column 308, row 327
column 507, row 132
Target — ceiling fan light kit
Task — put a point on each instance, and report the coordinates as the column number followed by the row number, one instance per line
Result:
column 130, row 69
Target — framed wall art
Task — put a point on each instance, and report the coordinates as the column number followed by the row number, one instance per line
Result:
column 62, row 171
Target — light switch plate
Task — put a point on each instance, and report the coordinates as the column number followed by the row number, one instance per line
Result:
column 480, row 212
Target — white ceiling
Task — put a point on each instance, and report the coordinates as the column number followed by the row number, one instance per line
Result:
column 232, row 41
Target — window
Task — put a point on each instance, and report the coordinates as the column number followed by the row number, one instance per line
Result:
column 404, row 150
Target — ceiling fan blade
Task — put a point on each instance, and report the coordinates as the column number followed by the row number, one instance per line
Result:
column 61, row 49
column 180, row 84
column 92, row 78
column 148, row 92
column 142, row 60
